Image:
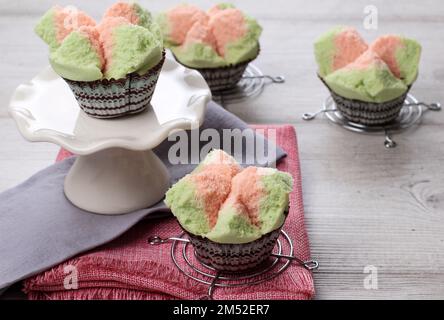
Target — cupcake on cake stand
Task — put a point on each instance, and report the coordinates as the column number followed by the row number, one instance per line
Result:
column 116, row 170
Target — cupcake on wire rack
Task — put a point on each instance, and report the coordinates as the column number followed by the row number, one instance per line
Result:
column 232, row 216
column 368, row 84
column 111, row 67
column 219, row 43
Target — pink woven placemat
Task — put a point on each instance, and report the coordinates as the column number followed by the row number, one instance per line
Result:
column 129, row 268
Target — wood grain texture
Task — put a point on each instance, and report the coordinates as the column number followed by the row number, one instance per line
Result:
column 364, row 205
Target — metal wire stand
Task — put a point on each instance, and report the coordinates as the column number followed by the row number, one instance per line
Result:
column 183, row 256
column 410, row 115
column 251, row 85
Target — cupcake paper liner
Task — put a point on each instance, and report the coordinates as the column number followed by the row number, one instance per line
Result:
column 222, row 78
column 228, row 257
column 116, row 97
column 234, row 257
column 368, row 113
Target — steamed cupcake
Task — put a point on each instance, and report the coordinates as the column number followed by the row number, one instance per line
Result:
column 368, row 84
column 232, row 216
column 111, row 67
column 219, row 43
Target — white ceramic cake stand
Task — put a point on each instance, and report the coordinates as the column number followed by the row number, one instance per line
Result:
column 115, row 171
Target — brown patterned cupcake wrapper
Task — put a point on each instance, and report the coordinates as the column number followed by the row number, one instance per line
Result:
column 368, row 113
column 234, row 257
column 222, row 78
column 116, row 97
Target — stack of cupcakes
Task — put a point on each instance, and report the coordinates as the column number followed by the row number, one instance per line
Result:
column 218, row 43
column 368, row 84
column 232, row 216
column 112, row 67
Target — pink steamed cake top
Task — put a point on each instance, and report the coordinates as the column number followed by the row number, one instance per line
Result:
column 106, row 28
column 181, row 19
column 349, row 45
column 123, row 9
column 67, row 20
column 219, row 27
column 386, row 47
column 221, row 157
column 213, row 184
column 94, row 38
column 246, row 193
column 222, row 184
column 200, row 32
column 365, row 61
column 227, row 26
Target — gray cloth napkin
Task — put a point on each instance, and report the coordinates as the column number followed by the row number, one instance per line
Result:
column 40, row 228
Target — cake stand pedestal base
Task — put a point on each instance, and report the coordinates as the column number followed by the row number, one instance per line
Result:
column 116, row 181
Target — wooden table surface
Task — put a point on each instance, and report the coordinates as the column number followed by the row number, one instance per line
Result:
column 364, row 205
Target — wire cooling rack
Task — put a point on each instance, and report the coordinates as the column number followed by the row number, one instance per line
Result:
column 410, row 115
column 184, row 258
column 252, row 84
